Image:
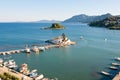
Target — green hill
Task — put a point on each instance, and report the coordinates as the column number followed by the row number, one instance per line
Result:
column 112, row 22
column 83, row 18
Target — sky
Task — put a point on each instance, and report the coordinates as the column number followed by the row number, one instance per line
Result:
column 35, row 10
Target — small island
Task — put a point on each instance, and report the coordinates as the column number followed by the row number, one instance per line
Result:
column 61, row 41
column 112, row 22
column 55, row 26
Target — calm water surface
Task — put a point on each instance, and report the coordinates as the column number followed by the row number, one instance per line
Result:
column 82, row 61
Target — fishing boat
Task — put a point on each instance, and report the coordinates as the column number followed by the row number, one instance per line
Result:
column 113, row 67
column 115, row 64
column 105, row 73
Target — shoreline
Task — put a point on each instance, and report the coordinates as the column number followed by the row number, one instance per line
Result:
column 13, row 72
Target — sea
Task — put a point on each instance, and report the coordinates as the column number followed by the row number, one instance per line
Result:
column 91, row 54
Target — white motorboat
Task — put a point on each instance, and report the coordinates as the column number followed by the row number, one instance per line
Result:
column 39, row 77
column 42, row 48
column 116, row 64
column 27, row 50
column 10, row 64
column 117, row 58
column 33, row 71
column 81, row 37
column 105, row 73
column 113, row 67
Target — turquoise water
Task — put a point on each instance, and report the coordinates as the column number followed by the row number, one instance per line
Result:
column 82, row 61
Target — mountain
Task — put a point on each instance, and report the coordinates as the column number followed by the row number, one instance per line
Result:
column 48, row 21
column 82, row 18
column 112, row 22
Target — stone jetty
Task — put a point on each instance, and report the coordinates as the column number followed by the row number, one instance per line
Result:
column 117, row 77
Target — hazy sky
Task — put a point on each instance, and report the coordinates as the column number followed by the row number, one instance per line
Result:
column 33, row 10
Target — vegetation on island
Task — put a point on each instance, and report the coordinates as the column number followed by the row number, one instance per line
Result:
column 112, row 22
column 7, row 76
column 55, row 26
column 64, row 36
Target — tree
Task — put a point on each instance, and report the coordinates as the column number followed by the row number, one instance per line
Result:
column 64, row 36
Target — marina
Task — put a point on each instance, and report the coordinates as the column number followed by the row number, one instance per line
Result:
column 24, row 69
column 23, row 74
column 90, row 55
column 115, row 66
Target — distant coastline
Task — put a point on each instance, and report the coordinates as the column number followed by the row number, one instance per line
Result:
column 105, row 20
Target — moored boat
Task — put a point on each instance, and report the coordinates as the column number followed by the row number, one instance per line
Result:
column 35, row 49
column 40, row 77
column 81, row 37
column 117, row 58
column 113, row 67
column 10, row 64
column 105, row 73
column 27, row 50
column 116, row 64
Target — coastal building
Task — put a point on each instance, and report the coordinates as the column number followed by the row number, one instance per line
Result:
column 57, row 40
column 60, row 40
